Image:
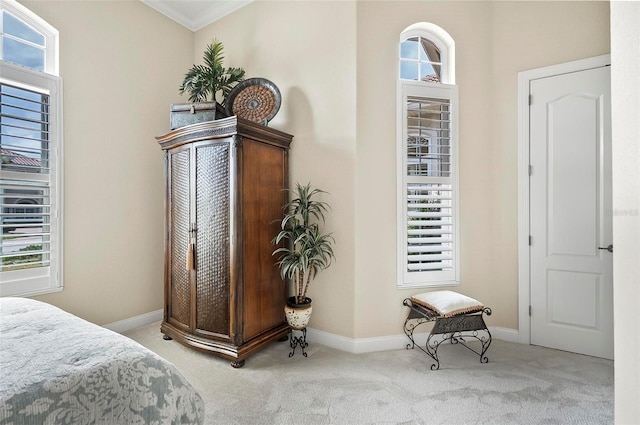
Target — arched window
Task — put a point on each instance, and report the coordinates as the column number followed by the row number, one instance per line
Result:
column 427, row 53
column 27, row 39
column 31, row 152
column 427, row 155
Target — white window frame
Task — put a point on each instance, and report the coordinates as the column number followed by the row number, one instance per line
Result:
column 443, row 41
column 43, row 279
column 444, row 90
column 51, row 35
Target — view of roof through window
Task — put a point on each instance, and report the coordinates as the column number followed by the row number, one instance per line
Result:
column 420, row 60
column 24, row 128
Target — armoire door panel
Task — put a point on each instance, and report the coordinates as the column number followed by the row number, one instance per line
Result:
column 212, row 248
column 180, row 304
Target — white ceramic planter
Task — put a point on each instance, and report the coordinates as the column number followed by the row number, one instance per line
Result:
column 298, row 315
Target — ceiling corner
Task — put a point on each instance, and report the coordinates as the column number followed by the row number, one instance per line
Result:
column 196, row 14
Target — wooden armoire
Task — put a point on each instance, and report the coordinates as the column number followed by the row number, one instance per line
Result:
column 225, row 182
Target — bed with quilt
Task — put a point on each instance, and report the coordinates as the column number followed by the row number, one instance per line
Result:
column 56, row 368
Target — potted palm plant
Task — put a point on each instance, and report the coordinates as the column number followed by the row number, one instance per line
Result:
column 208, row 86
column 307, row 249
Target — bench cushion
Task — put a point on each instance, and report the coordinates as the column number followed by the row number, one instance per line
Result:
column 447, row 303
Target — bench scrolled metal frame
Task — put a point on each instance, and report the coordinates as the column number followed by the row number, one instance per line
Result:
column 456, row 329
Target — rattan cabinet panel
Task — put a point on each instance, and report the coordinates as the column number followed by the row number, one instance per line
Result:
column 212, row 224
column 224, row 193
column 180, row 308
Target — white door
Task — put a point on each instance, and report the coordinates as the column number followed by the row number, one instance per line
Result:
column 570, row 213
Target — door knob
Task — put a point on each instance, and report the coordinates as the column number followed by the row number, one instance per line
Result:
column 609, row 248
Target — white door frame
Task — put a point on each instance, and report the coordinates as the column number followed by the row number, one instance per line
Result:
column 524, row 266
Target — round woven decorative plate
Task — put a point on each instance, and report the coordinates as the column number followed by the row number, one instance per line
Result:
column 255, row 99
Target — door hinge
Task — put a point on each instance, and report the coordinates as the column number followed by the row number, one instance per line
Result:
column 530, row 240
column 530, row 100
column 530, row 170
column 529, row 311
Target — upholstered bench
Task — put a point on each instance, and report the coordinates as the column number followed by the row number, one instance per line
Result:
column 458, row 319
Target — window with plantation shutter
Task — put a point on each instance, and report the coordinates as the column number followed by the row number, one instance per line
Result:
column 30, row 154
column 427, row 165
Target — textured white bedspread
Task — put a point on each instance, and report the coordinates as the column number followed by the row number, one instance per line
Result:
column 56, row 368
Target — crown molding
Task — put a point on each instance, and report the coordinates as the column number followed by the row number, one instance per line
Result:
column 196, row 14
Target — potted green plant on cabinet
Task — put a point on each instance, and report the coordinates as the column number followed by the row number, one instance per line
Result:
column 208, row 86
column 307, row 249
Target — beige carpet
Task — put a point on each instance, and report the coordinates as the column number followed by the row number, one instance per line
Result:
column 520, row 385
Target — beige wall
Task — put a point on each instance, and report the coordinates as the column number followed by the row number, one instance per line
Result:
column 342, row 114
column 527, row 35
column 494, row 41
column 334, row 63
column 379, row 308
column 121, row 64
column 308, row 50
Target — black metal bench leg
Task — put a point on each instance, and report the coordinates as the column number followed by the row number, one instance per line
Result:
column 485, row 346
column 432, row 351
column 408, row 331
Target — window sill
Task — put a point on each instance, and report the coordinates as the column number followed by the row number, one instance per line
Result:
column 426, row 285
column 9, row 293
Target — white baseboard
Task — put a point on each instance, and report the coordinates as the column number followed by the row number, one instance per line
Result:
column 505, row 334
column 350, row 345
column 135, row 322
column 391, row 342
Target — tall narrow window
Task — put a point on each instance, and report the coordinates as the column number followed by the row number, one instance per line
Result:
column 30, row 153
column 427, row 160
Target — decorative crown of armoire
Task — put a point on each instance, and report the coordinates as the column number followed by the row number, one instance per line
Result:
column 225, row 188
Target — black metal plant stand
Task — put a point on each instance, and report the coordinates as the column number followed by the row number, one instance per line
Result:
column 298, row 341
column 457, row 329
